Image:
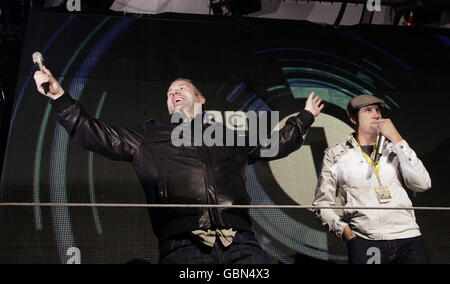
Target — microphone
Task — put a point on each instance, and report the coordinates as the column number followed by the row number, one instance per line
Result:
column 38, row 59
column 380, row 146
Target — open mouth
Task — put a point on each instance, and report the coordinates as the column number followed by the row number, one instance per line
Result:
column 178, row 100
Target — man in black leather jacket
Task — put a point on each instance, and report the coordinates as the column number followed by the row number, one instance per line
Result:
column 213, row 175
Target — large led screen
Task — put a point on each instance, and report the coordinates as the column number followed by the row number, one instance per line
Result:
column 119, row 68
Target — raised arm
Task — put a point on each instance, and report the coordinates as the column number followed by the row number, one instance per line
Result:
column 412, row 169
column 290, row 137
column 116, row 143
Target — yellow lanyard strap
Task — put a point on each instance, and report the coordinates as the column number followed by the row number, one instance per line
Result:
column 369, row 159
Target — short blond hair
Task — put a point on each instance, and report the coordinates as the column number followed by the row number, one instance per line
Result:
column 196, row 90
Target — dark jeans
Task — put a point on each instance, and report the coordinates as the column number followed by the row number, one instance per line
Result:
column 400, row 251
column 187, row 249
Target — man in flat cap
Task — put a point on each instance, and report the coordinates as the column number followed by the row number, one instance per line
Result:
column 349, row 171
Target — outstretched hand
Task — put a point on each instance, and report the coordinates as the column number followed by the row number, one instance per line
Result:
column 313, row 104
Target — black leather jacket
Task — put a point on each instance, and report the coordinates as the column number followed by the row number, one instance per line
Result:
column 179, row 175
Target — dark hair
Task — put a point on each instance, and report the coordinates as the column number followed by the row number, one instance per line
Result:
column 354, row 113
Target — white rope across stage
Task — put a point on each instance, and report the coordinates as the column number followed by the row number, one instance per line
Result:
column 253, row 206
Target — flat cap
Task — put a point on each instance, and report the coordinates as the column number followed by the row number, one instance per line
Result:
column 362, row 101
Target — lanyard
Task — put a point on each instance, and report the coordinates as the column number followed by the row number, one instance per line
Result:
column 369, row 159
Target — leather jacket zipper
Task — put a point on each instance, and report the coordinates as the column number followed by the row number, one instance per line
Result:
column 210, row 188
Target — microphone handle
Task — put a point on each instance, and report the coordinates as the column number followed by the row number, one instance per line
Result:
column 380, row 145
column 46, row 87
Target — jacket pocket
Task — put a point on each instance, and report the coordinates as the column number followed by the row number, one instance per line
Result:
column 349, row 213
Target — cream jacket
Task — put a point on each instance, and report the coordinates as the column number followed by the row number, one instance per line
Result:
column 348, row 175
